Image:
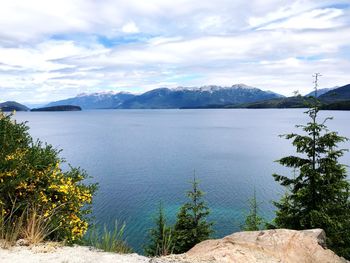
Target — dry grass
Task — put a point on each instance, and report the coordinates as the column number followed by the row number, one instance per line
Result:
column 36, row 227
column 10, row 226
column 31, row 226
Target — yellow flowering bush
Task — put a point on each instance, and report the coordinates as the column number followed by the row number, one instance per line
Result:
column 31, row 175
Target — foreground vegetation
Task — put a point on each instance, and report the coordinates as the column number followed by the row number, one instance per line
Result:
column 318, row 193
column 38, row 200
column 109, row 240
column 191, row 226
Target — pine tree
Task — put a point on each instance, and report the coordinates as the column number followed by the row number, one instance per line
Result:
column 253, row 221
column 160, row 237
column 191, row 226
column 318, row 194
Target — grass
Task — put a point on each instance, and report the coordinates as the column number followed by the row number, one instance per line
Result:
column 108, row 240
column 37, row 227
column 167, row 245
column 31, row 225
column 10, row 226
column 34, row 227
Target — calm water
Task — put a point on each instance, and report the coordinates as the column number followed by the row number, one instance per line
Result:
column 140, row 157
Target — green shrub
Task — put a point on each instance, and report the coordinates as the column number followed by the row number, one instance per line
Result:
column 31, row 174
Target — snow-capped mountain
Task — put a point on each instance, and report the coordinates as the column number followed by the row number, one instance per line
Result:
column 212, row 88
column 165, row 98
column 197, row 97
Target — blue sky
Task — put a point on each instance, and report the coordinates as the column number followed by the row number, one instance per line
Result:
column 51, row 50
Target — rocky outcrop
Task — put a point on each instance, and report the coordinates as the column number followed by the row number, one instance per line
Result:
column 268, row 246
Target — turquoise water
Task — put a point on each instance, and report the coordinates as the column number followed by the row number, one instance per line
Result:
column 140, row 157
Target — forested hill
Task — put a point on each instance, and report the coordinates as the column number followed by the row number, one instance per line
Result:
column 13, row 106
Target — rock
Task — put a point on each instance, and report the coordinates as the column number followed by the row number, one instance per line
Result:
column 268, row 246
column 47, row 247
column 319, row 234
column 22, row 242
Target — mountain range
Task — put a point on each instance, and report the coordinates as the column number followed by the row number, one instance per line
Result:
column 165, row 98
column 333, row 99
column 236, row 96
column 320, row 92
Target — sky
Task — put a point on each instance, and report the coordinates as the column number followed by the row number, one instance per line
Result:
column 51, row 50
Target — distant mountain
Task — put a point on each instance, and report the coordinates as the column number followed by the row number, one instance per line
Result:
column 182, row 97
column 104, row 100
column 58, row 108
column 12, row 105
column 335, row 95
column 320, row 92
column 165, row 98
column 334, row 99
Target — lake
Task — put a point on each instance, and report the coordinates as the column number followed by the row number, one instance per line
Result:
column 141, row 157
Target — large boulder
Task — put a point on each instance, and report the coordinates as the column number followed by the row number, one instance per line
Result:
column 270, row 246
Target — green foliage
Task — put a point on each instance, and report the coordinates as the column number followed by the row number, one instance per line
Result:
column 160, row 237
column 318, row 194
column 31, row 176
column 107, row 240
column 191, row 226
column 253, row 221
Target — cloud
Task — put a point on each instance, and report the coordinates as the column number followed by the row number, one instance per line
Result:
column 56, row 49
column 314, row 19
column 130, row 28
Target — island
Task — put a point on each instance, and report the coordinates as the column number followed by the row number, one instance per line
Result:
column 58, row 108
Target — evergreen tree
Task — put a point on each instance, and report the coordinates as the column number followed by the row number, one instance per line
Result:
column 253, row 221
column 191, row 226
column 318, row 194
column 161, row 240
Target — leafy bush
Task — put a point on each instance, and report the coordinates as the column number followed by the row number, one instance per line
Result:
column 31, row 176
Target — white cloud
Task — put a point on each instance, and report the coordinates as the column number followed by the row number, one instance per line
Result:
column 53, row 49
column 314, row 19
column 130, row 28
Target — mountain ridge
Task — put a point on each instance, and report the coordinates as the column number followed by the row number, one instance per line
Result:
column 334, row 99
column 102, row 100
column 166, row 98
